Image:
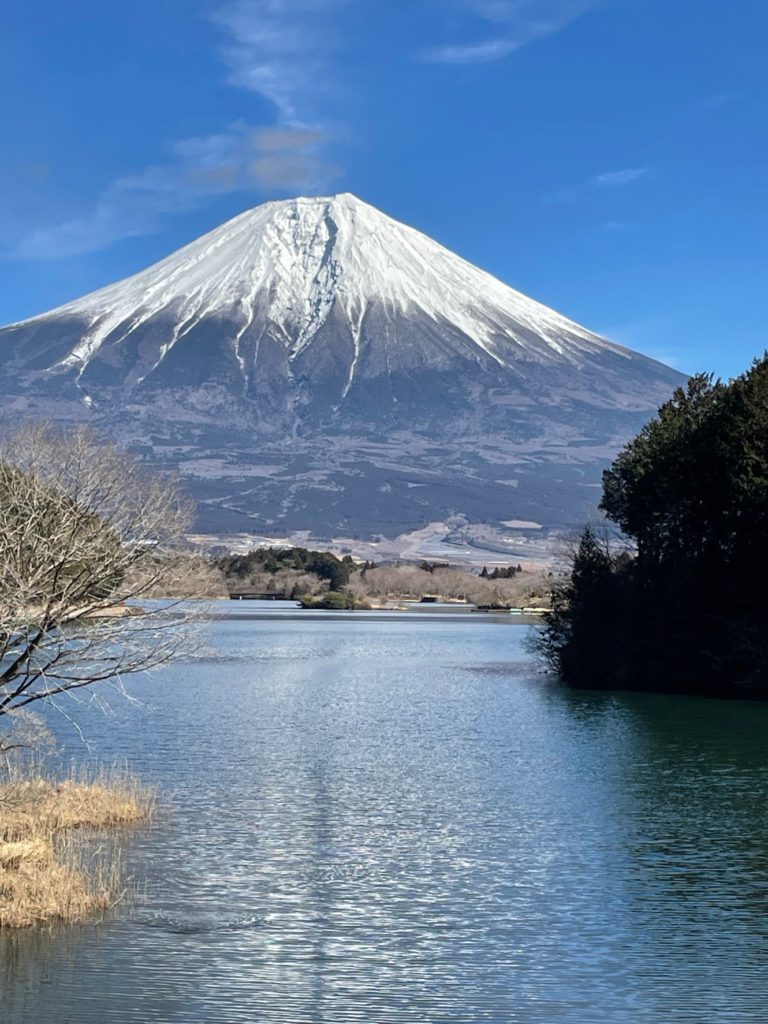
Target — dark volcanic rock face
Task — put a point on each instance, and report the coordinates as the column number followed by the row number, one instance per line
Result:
column 313, row 365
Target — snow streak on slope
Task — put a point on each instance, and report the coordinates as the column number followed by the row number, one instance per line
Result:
column 292, row 263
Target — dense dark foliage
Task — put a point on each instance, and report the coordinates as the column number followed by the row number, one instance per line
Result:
column 324, row 565
column 501, row 574
column 689, row 610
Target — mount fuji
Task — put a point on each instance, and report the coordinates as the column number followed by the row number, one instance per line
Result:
column 313, row 365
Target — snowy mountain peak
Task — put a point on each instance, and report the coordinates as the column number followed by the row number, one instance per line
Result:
column 285, row 265
column 314, row 365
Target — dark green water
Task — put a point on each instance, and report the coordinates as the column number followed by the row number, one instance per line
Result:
column 399, row 821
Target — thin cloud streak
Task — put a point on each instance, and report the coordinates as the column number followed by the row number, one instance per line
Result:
column 613, row 179
column 522, row 21
column 240, row 159
column 479, row 53
column 606, row 181
column 277, row 49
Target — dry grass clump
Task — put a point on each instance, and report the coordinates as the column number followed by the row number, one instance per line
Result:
column 54, row 865
column 36, row 888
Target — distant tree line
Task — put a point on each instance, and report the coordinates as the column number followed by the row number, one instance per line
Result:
column 501, row 574
column 320, row 579
column 686, row 607
column 410, row 581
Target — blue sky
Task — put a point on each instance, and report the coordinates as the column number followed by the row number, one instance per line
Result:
column 607, row 157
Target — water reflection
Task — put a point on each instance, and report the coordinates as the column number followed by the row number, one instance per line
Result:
column 398, row 822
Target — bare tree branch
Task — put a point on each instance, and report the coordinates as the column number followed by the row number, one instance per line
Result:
column 87, row 535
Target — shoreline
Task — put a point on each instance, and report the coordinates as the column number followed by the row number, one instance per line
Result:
column 54, row 867
column 238, row 610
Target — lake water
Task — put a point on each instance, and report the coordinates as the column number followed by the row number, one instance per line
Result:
column 396, row 819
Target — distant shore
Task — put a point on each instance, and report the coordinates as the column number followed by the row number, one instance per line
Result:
column 405, row 611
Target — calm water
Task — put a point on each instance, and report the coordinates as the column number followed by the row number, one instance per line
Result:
column 400, row 821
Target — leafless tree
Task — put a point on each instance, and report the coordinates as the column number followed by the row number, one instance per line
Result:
column 85, row 532
column 185, row 575
column 525, row 589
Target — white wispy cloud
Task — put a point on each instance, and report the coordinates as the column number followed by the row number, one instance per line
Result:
column 241, row 158
column 514, row 23
column 473, row 53
column 612, row 179
column 599, row 182
column 278, row 49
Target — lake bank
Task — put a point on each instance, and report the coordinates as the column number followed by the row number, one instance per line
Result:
column 47, row 832
column 406, row 611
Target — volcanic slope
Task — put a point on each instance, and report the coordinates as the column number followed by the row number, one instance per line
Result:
column 315, row 365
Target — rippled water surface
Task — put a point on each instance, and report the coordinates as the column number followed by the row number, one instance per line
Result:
column 398, row 820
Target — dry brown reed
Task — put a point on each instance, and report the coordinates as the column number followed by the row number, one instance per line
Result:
column 56, row 861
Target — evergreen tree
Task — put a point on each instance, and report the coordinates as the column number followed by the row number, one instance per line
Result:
column 689, row 610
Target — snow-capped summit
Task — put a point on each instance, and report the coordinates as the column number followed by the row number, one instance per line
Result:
column 284, row 268
column 312, row 315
